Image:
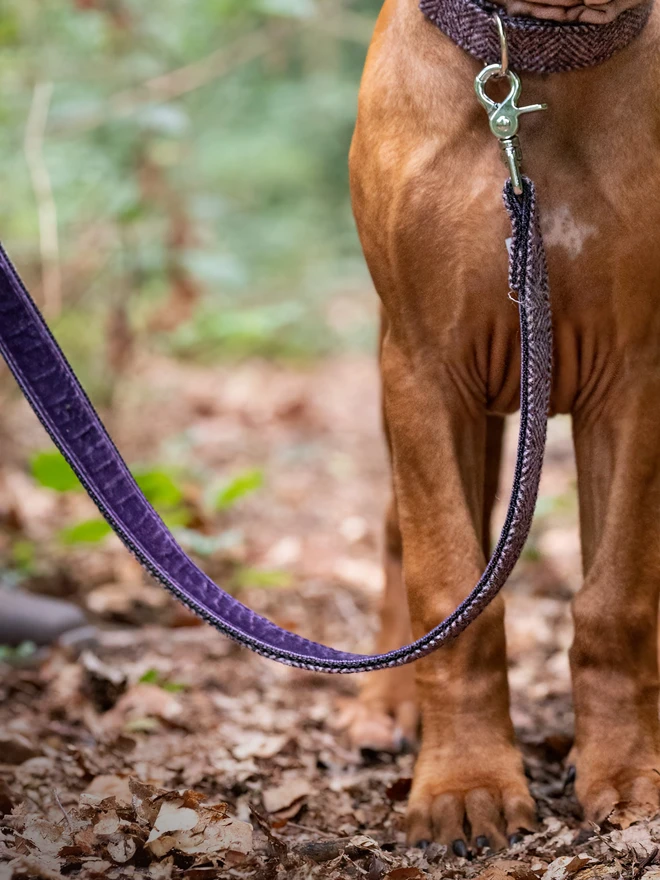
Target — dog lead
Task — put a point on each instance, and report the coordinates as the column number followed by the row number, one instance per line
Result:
column 60, row 403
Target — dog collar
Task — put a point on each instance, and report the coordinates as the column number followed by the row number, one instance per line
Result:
column 535, row 46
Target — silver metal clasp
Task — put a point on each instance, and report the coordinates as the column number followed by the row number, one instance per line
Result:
column 504, row 116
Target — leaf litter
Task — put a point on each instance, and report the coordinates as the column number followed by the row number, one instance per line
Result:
column 162, row 751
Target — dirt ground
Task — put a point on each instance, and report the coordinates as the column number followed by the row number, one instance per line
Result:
column 158, row 749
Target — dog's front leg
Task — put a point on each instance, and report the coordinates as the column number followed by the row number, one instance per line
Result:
column 614, row 658
column 469, row 780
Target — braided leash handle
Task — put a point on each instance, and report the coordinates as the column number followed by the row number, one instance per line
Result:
column 57, row 398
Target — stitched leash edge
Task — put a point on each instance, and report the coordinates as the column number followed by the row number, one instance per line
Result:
column 316, row 657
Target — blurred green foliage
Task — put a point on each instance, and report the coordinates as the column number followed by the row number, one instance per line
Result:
column 241, row 485
column 162, row 487
column 187, row 157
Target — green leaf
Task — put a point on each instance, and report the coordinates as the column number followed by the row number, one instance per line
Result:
column 242, row 484
column 258, row 577
column 51, row 470
column 153, row 676
column 90, row 531
column 160, row 488
column 14, row 653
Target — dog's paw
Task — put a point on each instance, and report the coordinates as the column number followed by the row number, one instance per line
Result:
column 635, row 790
column 373, row 727
column 384, row 718
column 468, row 799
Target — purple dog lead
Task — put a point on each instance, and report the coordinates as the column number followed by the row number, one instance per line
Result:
column 56, row 396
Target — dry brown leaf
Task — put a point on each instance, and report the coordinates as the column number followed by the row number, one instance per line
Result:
column 121, row 599
column 507, row 869
column 46, row 837
column 37, row 867
column 107, row 825
column 121, row 848
column 626, row 814
column 635, row 837
column 143, row 701
column 173, row 816
column 146, row 801
column 102, row 682
column 259, row 745
column 211, row 836
column 404, row 874
column 16, row 749
column 110, row 786
column 566, row 867
column 286, row 795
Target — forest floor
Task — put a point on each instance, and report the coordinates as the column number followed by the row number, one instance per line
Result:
column 161, row 750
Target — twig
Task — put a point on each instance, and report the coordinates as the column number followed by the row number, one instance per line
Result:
column 64, row 812
column 51, row 278
column 181, row 80
column 345, row 25
column 307, row 828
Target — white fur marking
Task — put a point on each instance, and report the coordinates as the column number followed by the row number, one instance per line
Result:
column 561, row 230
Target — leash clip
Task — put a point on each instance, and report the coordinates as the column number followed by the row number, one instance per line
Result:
column 504, row 116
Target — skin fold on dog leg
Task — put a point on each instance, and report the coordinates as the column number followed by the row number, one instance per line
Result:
column 614, row 658
column 469, row 772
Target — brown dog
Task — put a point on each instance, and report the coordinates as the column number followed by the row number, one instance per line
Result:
column 426, row 180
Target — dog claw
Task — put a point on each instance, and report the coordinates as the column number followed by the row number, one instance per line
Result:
column 482, row 842
column 423, row 844
column 569, row 778
column 515, row 838
column 460, row 849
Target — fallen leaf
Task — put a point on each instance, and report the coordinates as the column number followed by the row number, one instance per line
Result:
column 110, row 786
column 107, row 825
column 143, row 701
column 175, row 817
column 122, row 599
column 635, row 837
column 103, row 683
column 121, row 848
column 259, row 745
column 286, row 795
column 16, row 749
column 566, row 867
column 210, row 837
column 507, row 869
column 626, row 814
column 46, row 837
column 404, row 874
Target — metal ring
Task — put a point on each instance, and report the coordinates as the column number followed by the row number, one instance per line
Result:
column 504, row 51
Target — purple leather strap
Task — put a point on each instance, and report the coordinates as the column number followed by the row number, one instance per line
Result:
column 66, row 413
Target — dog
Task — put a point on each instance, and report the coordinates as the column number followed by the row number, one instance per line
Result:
column 426, row 181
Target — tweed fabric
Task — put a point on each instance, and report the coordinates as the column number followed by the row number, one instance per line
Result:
column 65, row 411
column 535, row 46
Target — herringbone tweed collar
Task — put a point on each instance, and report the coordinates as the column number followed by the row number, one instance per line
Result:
column 535, row 46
